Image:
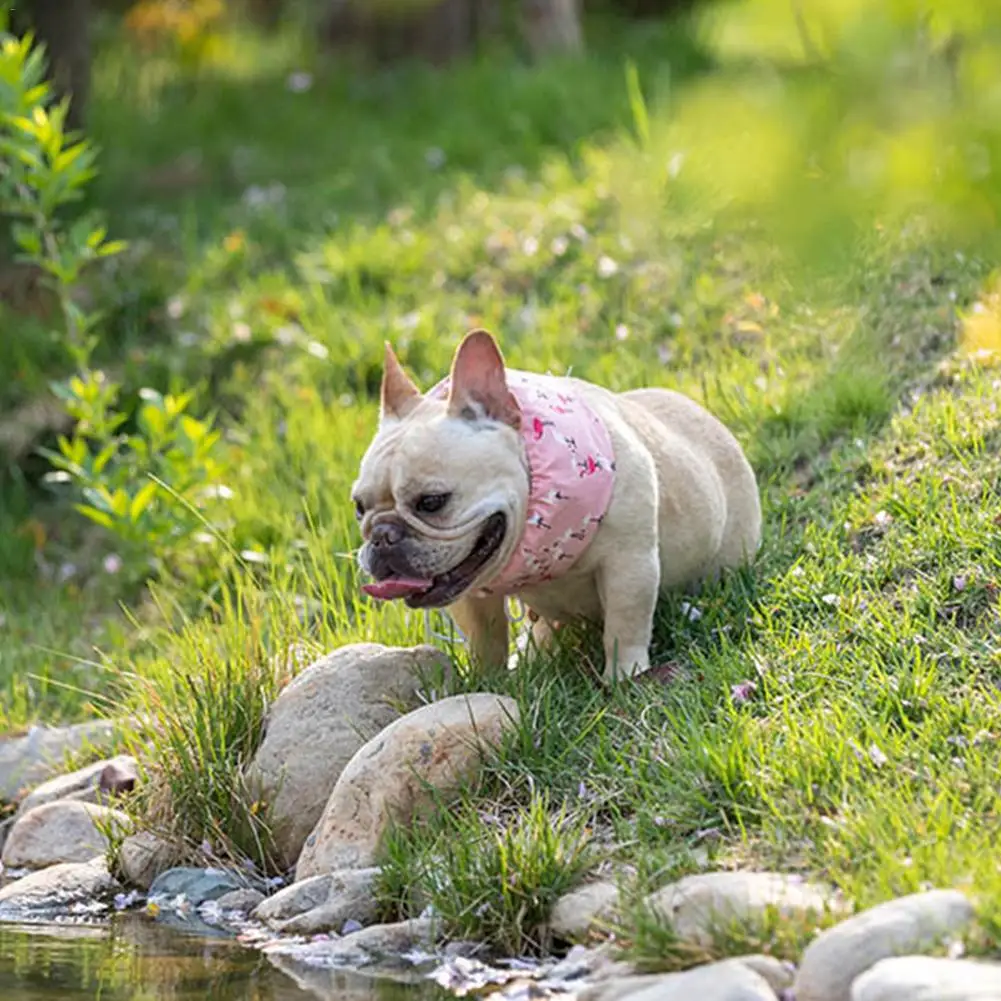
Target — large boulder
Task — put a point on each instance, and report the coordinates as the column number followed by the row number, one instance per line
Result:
column 63, row 831
column 911, row 924
column 27, row 760
column 433, row 750
column 319, row 721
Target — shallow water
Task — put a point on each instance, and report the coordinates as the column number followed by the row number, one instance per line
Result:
column 134, row 959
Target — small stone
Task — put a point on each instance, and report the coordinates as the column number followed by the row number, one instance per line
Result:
column 438, row 747
column 63, row 831
column 729, row 980
column 778, row 974
column 197, row 886
column 320, row 720
column 83, row 784
column 119, row 775
column 928, row 978
column 583, row 910
column 350, row 897
column 52, row 889
column 698, row 905
column 26, row 761
column 142, row 857
column 361, row 947
column 244, row 900
column 909, row 924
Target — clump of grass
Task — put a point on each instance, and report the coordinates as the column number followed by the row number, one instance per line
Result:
column 488, row 877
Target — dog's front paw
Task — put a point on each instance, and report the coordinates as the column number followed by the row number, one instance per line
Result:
column 627, row 663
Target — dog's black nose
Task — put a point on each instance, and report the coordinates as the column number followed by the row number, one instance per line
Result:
column 387, row 533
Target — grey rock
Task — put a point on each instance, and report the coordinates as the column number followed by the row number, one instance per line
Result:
column 927, row 978
column 63, row 831
column 696, row 907
column 584, row 910
column 320, row 720
column 244, row 900
column 390, row 780
column 85, row 784
column 54, row 888
column 362, row 947
column 294, row 899
column 142, row 857
column 26, row 761
column 909, row 924
column 350, row 897
column 729, row 980
column 197, row 886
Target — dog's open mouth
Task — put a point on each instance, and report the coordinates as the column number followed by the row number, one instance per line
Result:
column 442, row 590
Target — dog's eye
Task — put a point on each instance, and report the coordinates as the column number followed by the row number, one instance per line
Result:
column 359, row 510
column 431, row 503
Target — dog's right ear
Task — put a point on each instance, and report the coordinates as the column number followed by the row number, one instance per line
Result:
column 399, row 392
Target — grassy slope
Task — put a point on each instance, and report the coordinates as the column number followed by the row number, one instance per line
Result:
column 866, row 750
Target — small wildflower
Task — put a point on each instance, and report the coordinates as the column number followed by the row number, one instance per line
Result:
column 559, row 246
column 530, row 246
column 831, row 599
column 299, row 82
column 959, row 582
column 176, row 307
column 690, row 612
column 621, row 332
column 743, row 691
column 112, row 563
column 606, row 266
column 435, row 158
column 67, row 571
column 882, row 519
column 241, row 332
column 318, row 350
column 578, row 232
column 876, row 756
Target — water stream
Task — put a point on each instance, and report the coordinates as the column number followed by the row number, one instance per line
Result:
column 134, row 959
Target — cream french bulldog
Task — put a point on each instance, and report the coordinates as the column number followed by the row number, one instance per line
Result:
column 579, row 501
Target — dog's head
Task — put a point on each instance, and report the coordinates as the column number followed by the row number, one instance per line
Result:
column 443, row 488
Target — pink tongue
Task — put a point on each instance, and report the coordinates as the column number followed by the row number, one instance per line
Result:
column 396, row 587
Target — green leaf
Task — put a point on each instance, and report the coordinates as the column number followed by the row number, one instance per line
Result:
column 142, row 500
column 98, row 516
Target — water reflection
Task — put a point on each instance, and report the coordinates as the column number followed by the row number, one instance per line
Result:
column 133, row 959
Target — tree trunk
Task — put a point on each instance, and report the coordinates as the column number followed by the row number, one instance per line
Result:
column 551, row 26
column 440, row 31
column 64, row 27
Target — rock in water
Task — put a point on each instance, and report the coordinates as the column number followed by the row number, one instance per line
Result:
column 323, row 903
column 321, row 719
column 196, row 885
column 63, row 831
column 54, row 888
column 439, row 745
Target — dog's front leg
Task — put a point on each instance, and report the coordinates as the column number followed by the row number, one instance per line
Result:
column 483, row 622
column 628, row 585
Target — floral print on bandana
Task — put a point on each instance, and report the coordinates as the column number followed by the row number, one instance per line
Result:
column 571, row 466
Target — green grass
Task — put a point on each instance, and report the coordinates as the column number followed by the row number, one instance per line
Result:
column 836, row 708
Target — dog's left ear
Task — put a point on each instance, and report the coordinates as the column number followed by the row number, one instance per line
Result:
column 478, row 385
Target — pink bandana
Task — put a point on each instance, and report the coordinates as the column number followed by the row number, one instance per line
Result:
column 571, row 466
